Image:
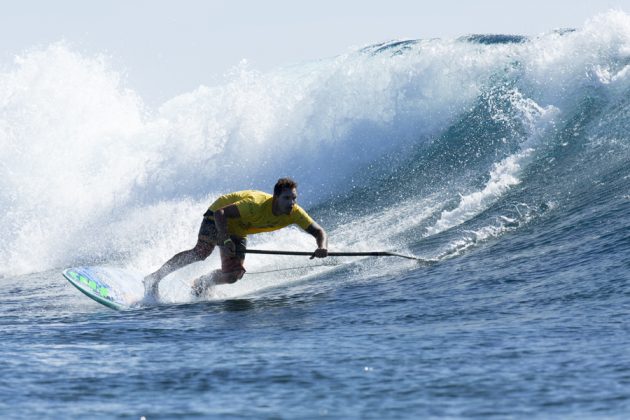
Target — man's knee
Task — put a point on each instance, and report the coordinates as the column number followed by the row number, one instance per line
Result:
column 203, row 250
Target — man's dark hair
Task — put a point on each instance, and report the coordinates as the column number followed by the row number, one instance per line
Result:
column 282, row 184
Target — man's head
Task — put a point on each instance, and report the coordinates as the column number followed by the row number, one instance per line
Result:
column 284, row 195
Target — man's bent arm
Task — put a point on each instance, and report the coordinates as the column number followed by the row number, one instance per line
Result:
column 321, row 238
column 220, row 217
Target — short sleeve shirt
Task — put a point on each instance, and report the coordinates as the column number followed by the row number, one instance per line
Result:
column 255, row 208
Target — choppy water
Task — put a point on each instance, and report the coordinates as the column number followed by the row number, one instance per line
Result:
column 506, row 159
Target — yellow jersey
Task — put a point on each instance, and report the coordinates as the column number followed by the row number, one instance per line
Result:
column 256, row 215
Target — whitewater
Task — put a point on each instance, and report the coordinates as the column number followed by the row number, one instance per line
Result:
column 503, row 159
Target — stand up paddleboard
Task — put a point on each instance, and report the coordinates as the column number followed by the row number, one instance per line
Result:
column 115, row 288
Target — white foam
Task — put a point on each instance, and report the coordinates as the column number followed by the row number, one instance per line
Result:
column 502, row 177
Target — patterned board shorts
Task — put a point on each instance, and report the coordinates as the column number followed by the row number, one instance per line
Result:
column 208, row 235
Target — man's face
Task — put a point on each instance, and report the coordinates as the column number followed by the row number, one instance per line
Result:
column 286, row 200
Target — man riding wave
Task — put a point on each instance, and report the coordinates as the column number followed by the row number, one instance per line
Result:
column 227, row 223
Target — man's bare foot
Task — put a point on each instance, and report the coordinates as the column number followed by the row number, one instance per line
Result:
column 202, row 284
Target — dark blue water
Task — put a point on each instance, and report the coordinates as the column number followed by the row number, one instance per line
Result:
column 519, row 193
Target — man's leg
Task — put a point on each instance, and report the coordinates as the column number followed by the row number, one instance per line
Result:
column 205, row 245
column 232, row 268
column 200, row 252
column 228, row 278
column 231, row 271
column 201, row 284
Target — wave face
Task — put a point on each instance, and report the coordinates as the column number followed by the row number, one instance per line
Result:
column 431, row 146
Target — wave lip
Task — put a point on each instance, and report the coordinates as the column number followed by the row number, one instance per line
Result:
column 494, row 39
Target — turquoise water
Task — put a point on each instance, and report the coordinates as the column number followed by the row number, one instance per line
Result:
column 504, row 159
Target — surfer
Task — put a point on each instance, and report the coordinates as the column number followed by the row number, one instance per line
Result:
column 227, row 223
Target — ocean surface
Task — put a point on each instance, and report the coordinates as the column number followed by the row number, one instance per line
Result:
column 503, row 159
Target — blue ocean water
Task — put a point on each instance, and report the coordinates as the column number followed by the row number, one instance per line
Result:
column 504, row 159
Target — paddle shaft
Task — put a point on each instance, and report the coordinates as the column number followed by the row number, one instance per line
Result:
column 334, row 254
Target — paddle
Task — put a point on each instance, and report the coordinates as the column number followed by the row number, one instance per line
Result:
column 337, row 254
